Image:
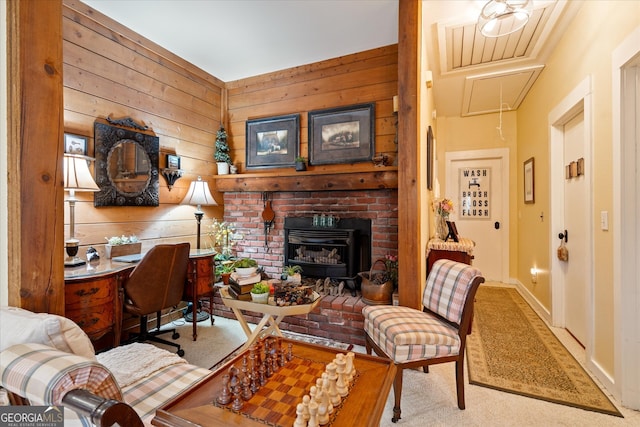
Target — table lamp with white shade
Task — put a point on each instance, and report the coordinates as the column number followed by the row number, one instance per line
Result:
column 77, row 177
column 199, row 195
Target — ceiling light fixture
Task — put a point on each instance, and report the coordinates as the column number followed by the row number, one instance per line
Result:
column 501, row 17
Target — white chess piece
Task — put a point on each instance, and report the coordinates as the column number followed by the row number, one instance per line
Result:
column 300, row 421
column 351, row 368
column 334, row 397
column 305, row 410
column 342, row 387
column 323, row 414
column 313, row 414
column 325, row 395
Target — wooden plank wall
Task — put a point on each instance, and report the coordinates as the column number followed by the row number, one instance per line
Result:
column 364, row 77
column 111, row 71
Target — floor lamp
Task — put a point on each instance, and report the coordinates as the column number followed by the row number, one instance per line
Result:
column 77, row 177
column 198, row 195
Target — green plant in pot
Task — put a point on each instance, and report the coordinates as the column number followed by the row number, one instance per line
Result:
column 260, row 292
column 224, row 270
column 292, row 273
column 221, row 155
column 301, row 163
column 245, row 266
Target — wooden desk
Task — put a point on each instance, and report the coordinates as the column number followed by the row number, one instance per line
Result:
column 267, row 310
column 94, row 295
column 363, row 406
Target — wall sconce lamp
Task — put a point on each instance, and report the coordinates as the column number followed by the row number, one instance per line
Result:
column 199, row 195
column 77, row 177
column 501, row 17
column 534, row 275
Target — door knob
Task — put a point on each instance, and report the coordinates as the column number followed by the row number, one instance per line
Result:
column 564, row 236
column 496, row 225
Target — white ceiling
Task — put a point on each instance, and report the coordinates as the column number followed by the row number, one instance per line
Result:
column 234, row 39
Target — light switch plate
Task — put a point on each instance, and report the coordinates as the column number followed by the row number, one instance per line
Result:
column 604, row 220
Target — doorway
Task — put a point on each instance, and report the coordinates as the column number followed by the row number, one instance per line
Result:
column 626, row 202
column 571, row 214
column 478, row 184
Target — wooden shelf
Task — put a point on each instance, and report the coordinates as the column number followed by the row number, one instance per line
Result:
column 384, row 177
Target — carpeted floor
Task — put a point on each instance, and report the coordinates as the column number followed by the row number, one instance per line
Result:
column 512, row 349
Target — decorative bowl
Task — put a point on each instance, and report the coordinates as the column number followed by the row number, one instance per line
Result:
column 260, row 298
column 246, row 271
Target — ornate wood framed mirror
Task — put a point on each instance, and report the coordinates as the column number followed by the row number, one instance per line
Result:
column 126, row 164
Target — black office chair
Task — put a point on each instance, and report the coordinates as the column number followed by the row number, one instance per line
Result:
column 157, row 283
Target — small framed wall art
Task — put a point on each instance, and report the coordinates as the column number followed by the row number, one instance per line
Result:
column 75, row 144
column 529, row 176
column 342, row 135
column 273, row 142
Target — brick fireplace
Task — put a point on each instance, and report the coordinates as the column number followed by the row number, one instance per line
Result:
column 339, row 317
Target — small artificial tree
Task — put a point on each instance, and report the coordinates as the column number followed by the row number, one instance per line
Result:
column 222, row 148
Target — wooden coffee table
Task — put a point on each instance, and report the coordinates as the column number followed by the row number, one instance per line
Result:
column 363, row 406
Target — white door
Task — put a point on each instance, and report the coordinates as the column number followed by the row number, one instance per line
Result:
column 577, row 227
column 476, row 183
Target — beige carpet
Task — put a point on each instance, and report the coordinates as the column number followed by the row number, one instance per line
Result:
column 512, row 349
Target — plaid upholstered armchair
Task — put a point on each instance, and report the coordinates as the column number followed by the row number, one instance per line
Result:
column 48, row 360
column 437, row 334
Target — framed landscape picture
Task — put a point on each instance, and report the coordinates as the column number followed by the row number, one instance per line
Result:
column 342, row 135
column 273, row 142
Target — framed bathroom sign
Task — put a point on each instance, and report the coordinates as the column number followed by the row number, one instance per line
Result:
column 475, row 193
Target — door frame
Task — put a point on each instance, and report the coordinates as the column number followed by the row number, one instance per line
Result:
column 626, row 249
column 578, row 100
column 488, row 154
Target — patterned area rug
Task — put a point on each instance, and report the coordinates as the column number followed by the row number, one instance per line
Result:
column 512, row 349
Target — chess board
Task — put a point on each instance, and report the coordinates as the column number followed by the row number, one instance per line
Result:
column 275, row 403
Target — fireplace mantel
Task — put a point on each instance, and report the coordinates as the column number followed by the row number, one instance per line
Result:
column 381, row 178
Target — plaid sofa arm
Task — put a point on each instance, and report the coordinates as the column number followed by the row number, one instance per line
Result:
column 43, row 375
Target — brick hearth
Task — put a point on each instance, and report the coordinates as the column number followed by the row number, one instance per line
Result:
column 338, row 318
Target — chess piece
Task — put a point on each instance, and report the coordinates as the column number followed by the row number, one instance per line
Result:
column 351, row 368
column 323, row 414
column 341, row 385
column 313, row 414
column 246, row 388
column 225, row 397
column 305, row 410
column 326, row 400
column 300, row 421
column 237, row 399
column 262, row 374
column 334, row 397
column 289, row 352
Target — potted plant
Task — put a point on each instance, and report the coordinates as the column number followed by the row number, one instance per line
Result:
column 260, row 293
column 224, row 270
column 123, row 245
column 245, row 266
column 222, row 152
column 301, row 163
column 291, row 273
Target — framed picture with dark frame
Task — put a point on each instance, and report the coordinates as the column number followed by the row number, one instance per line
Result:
column 453, row 232
column 75, row 144
column 529, row 176
column 342, row 135
column 173, row 161
column 273, row 142
column 430, row 158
